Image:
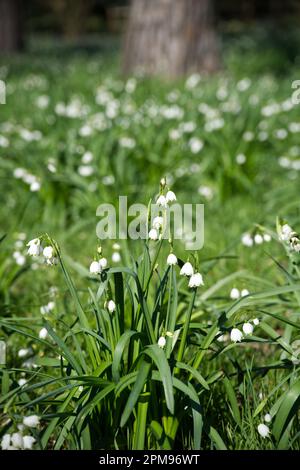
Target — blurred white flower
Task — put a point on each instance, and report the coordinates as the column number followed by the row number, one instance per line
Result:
column 35, row 186
column 95, row 267
column 43, row 333
column 31, row 421
column 116, row 257
column 22, row 382
column 195, row 145
column 255, row 321
column 153, row 234
column 247, row 240
column 103, row 263
column 236, row 335
column 268, row 418
column 28, row 442
column 187, row 269
column 267, row 237
column 87, row 157
column 196, row 280
column 5, row 442
column 111, row 306
column 263, row 430
column 172, row 259
column 247, row 328
column 258, row 239
column 17, row 440
column 162, row 342
column 170, row 196
column 85, row 170
column 244, row 292
column 241, row 159
column 23, row 352
column 234, row 293
column 48, row 252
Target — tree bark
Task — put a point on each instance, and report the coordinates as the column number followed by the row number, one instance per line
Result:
column 171, row 38
column 11, row 37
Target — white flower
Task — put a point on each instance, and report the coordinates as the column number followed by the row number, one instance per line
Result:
column 95, row 268
column 22, row 382
column 268, row 418
column 247, row 328
column 153, row 235
column 34, row 247
column 116, row 257
column 196, row 280
column 162, row 342
column 31, row 421
column 161, row 201
column 195, row 144
column 170, row 196
column 244, row 292
column 172, row 259
column 43, row 333
column 5, row 442
column 267, row 237
column 258, row 239
column 35, row 186
column 85, row 170
column 255, row 321
column 157, row 222
column 236, row 335
column 48, row 252
column 241, row 159
column 23, row 352
column 263, row 430
column 17, row 440
column 20, row 260
column 28, row 442
column 111, row 306
column 87, row 157
column 187, row 269
column 103, row 263
column 247, row 240
column 234, row 293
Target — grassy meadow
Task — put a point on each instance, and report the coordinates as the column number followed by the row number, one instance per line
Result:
column 134, row 352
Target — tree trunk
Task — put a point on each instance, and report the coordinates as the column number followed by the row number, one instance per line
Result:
column 11, row 38
column 170, row 38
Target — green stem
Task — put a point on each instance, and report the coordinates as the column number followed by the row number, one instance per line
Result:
column 186, row 327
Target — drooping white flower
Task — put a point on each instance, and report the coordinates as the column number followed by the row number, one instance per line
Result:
column 17, row 440
column 31, row 421
column 116, row 257
column 22, row 382
column 161, row 201
column 5, row 442
column 263, row 430
column 28, row 442
column 43, row 333
column 255, row 321
column 162, row 342
column 247, row 328
column 23, row 352
column 48, row 252
column 247, row 240
column 187, row 269
column 172, row 259
column 267, row 237
column 95, row 267
column 170, row 196
column 236, row 335
column 244, row 292
column 34, row 247
column 268, row 418
column 103, row 263
column 157, row 222
column 196, row 280
column 234, row 293
column 153, row 234
column 258, row 239
column 111, row 306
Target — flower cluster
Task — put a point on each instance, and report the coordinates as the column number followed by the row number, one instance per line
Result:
column 237, row 335
column 96, row 267
column 256, row 239
column 291, row 238
column 19, row 441
column 35, row 249
column 165, row 197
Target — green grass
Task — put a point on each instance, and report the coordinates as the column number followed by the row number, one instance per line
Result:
column 98, row 379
